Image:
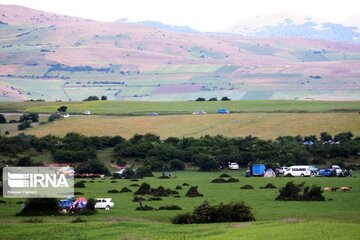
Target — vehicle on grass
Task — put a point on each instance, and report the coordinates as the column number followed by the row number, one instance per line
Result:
column 325, row 173
column 282, row 169
column 199, row 113
column 223, row 111
column 258, row 169
column 298, row 171
column 87, row 112
column 66, row 203
column 104, row 203
column 337, row 169
column 153, row 114
column 233, row 166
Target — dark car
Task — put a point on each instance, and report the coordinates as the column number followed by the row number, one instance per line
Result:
column 325, row 173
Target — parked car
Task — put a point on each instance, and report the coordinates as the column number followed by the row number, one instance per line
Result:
column 66, row 203
column 325, row 172
column 87, row 112
column 223, row 111
column 282, row 169
column 337, row 169
column 153, row 114
column 104, row 203
column 199, row 113
column 233, row 166
column 298, row 171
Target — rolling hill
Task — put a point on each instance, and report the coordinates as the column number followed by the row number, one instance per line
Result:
column 58, row 57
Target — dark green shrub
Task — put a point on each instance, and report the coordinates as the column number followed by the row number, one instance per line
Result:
column 159, row 192
column 24, row 125
column 144, row 208
column 170, row 207
column 193, row 192
column 144, row 189
column 268, row 186
column 79, row 185
column 177, row 165
column 178, row 187
column 144, row 172
column 297, row 192
column 223, row 180
column 40, row 207
column 134, row 185
column 113, row 191
column 93, row 166
column 205, row 213
column 78, row 193
column 113, row 182
column 125, row 190
column 138, row 199
column 2, row 201
column 185, row 184
column 224, row 175
column 33, row 220
column 164, row 177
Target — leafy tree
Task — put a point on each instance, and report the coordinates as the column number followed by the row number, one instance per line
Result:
column 2, row 119
column 177, row 165
column 25, row 162
column 103, row 98
column 200, row 99
column 40, row 207
column 92, row 166
column 62, row 109
column 344, row 136
column 212, row 99
column 91, row 98
column 324, row 136
column 24, row 125
column 53, row 117
column 206, row 162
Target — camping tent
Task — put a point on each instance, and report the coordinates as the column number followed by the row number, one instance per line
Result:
column 269, row 173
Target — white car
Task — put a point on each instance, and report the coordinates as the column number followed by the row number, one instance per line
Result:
column 233, row 166
column 337, row 169
column 282, row 170
column 199, row 112
column 104, row 203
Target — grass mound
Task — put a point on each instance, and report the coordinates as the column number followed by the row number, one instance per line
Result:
column 164, row 177
column 193, row 192
column 185, row 184
column 113, row 191
column 125, row 190
column 300, row 192
column 134, row 185
column 144, row 208
column 170, row 207
column 143, row 189
column 155, row 199
column 223, row 180
column 178, row 187
column 269, row 186
column 224, row 175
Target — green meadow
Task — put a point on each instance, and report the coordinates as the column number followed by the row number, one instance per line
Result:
column 336, row 218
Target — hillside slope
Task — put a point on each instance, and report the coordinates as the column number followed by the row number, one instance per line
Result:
column 57, row 57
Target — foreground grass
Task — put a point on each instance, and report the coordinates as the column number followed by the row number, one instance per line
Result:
column 278, row 230
column 336, row 218
column 263, row 125
column 182, row 107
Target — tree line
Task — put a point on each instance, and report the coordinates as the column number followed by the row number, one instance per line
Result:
column 207, row 152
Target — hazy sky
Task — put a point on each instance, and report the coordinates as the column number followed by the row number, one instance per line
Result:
column 205, row 15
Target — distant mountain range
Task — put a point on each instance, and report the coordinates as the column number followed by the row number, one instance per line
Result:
column 160, row 25
column 289, row 24
column 58, row 57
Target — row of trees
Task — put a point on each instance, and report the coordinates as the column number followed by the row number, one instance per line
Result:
column 201, row 99
column 207, row 152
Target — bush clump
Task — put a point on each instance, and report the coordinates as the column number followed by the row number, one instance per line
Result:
column 34, row 220
column 298, row 192
column 205, row 213
column 155, row 199
column 178, row 187
column 224, row 175
column 138, row 199
column 268, row 186
column 223, row 180
column 79, row 185
column 144, row 208
column 193, row 192
column 143, row 189
column 113, row 191
column 125, row 190
column 164, row 177
column 40, row 207
column 247, row 187
column 170, row 207
column 2, row 201
column 185, row 184
column 113, row 181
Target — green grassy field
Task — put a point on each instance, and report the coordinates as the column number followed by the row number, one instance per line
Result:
column 181, row 107
column 338, row 217
column 263, row 125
